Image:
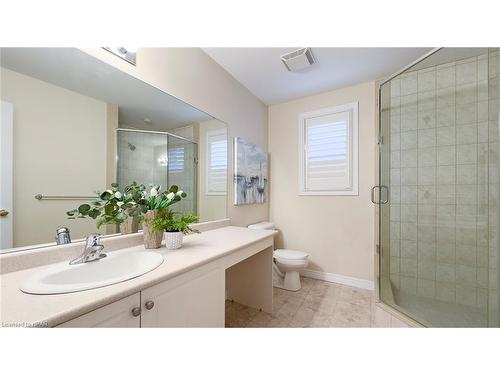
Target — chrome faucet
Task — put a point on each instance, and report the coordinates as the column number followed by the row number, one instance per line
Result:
column 92, row 251
column 62, row 236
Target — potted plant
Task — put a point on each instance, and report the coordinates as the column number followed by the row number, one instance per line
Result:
column 174, row 225
column 130, row 207
column 151, row 207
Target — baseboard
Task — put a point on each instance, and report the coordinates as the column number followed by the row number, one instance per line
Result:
column 339, row 279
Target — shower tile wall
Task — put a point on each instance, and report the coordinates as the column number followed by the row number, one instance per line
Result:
column 140, row 156
column 444, row 151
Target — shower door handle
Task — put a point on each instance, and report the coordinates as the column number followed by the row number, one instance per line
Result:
column 380, row 188
column 386, row 200
column 373, row 194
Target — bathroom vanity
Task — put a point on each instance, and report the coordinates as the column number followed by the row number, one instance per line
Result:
column 188, row 289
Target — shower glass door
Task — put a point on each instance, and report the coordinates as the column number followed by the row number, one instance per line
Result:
column 439, row 239
column 159, row 159
column 182, row 171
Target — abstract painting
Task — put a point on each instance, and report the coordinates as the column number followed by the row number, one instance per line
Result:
column 250, row 173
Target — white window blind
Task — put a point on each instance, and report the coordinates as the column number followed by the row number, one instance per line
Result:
column 176, row 159
column 216, row 182
column 328, row 155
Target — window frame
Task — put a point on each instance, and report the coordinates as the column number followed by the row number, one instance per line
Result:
column 209, row 134
column 353, row 127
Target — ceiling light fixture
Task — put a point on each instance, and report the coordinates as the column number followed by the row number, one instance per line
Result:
column 128, row 54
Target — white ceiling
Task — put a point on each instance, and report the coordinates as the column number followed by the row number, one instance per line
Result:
column 263, row 73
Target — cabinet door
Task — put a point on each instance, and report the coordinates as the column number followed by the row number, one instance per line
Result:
column 195, row 299
column 115, row 315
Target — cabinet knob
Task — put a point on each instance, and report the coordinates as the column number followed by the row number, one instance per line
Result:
column 149, row 305
column 136, row 311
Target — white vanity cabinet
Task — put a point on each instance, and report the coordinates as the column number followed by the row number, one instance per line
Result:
column 124, row 313
column 194, row 299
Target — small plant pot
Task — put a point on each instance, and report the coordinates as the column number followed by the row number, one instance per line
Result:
column 173, row 240
column 131, row 225
column 152, row 240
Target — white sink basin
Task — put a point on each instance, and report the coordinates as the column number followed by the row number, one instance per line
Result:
column 115, row 268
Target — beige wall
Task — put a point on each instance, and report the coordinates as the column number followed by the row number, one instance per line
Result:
column 192, row 76
column 337, row 231
column 210, row 207
column 59, row 148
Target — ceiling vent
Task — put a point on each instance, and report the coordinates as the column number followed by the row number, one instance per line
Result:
column 298, row 60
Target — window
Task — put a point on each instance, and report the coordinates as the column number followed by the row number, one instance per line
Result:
column 329, row 151
column 176, row 160
column 216, row 181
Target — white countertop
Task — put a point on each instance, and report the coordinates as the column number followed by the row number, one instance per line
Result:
column 19, row 308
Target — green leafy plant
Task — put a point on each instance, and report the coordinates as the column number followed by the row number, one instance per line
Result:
column 109, row 207
column 171, row 221
column 114, row 206
column 155, row 199
column 135, row 193
column 158, row 200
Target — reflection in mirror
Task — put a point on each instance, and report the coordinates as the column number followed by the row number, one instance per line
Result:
column 75, row 125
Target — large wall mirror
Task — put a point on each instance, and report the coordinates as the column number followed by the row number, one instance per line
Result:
column 72, row 125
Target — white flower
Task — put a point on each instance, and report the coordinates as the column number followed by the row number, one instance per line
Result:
column 119, row 204
column 153, row 192
column 170, row 196
column 118, row 195
column 179, row 193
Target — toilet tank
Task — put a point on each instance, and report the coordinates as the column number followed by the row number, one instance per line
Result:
column 262, row 225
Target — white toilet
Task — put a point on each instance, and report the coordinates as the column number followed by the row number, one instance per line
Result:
column 287, row 263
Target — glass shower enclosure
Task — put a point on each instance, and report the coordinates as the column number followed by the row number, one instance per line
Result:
column 158, row 158
column 439, row 189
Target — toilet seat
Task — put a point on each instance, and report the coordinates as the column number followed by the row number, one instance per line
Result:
column 292, row 258
column 287, row 254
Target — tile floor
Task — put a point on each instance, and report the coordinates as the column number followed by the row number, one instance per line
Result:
column 317, row 304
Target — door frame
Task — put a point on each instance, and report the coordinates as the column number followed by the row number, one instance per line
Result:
column 6, row 174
